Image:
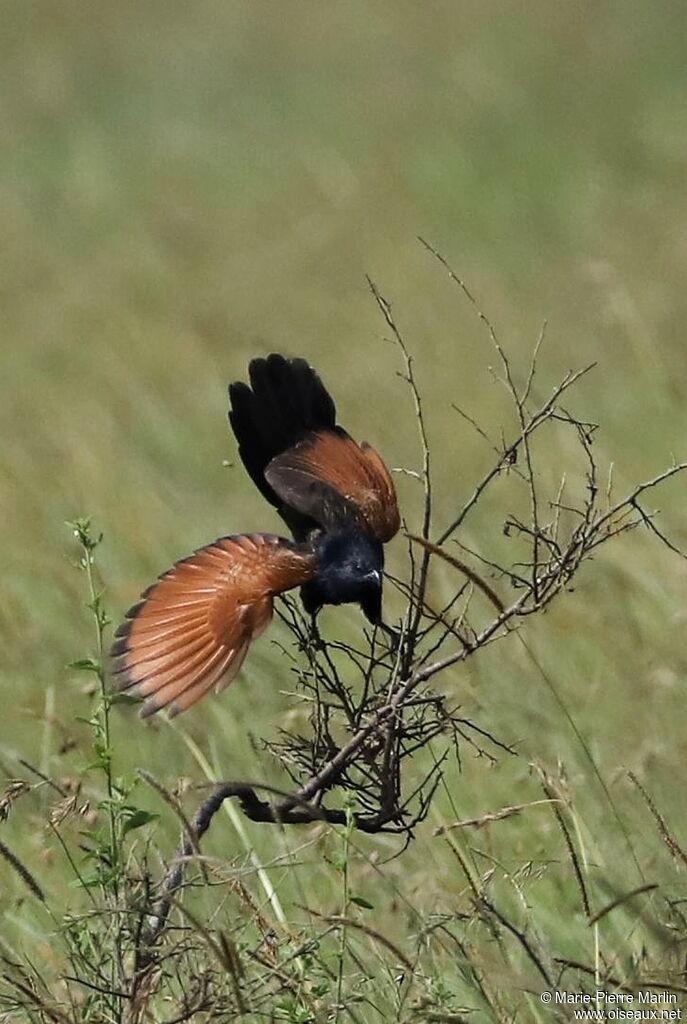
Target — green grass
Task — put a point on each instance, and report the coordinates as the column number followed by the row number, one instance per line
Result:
column 185, row 186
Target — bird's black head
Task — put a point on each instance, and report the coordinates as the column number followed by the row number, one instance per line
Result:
column 350, row 571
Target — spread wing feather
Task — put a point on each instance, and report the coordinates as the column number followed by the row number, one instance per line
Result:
column 192, row 629
column 338, row 483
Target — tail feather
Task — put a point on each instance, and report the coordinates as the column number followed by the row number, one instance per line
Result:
column 285, row 402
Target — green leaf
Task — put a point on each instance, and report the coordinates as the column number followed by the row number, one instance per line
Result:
column 338, row 861
column 361, row 902
column 85, row 882
column 123, row 698
column 137, row 820
column 85, row 665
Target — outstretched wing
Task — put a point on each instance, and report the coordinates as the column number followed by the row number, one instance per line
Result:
column 338, row 483
column 192, row 629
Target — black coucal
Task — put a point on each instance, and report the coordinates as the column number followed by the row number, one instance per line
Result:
column 192, row 629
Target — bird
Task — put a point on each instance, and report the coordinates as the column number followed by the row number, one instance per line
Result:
column 191, row 630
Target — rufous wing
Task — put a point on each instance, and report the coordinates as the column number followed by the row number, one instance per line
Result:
column 337, row 482
column 192, row 629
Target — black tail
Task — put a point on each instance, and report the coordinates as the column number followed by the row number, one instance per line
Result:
column 286, row 400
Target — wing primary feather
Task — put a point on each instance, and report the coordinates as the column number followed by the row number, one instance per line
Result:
column 170, row 687
column 179, row 696
column 218, row 680
column 150, row 655
column 193, row 628
column 170, row 636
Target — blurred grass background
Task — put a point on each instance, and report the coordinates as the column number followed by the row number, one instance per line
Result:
column 186, row 186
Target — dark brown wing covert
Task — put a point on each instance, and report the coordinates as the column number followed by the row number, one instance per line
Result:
column 338, row 483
